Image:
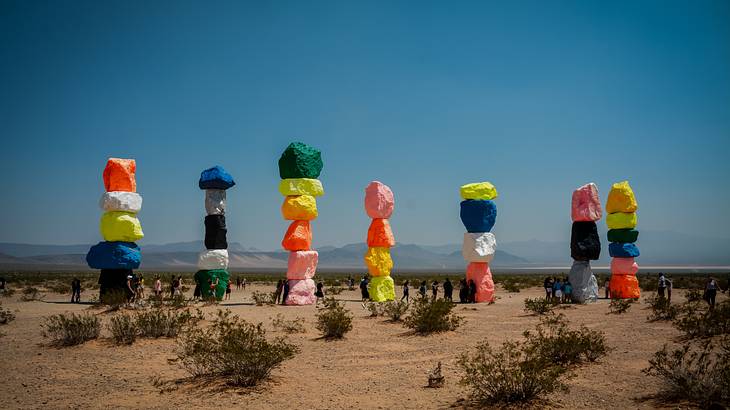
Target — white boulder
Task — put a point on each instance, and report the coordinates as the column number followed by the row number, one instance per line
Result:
column 213, row 259
column 121, row 201
column 479, row 246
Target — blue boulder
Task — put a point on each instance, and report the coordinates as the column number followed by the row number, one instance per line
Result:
column 478, row 215
column 215, row 178
column 114, row 255
column 623, row 250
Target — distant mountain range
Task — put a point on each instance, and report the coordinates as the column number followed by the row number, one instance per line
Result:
column 657, row 248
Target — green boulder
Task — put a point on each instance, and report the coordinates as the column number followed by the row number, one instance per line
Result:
column 623, row 235
column 299, row 160
column 205, row 277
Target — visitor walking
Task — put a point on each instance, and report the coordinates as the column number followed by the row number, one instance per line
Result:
column 434, row 290
column 140, row 287
column 406, row 290
column 243, row 283
column 228, row 291
column 422, row 289
column 662, row 285
column 711, row 291
column 238, row 283
column 172, row 287
column 364, row 289
column 130, row 289
column 320, row 291
column 472, row 291
column 76, row 291
column 284, row 292
column 448, row 289
column 277, row 292
column 548, row 285
column 158, row 287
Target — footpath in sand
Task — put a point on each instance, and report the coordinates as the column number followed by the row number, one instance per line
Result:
column 378, row 364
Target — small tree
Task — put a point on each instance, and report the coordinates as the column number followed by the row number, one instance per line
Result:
column 333, row 320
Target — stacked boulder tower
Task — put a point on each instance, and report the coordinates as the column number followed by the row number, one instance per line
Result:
column 212, row 275
column 299, row 168
column 379, row 204
column 621, row 207
column 478, row 214
column 585, row 244
column 118, row 254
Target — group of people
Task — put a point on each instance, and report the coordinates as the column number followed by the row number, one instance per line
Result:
column 282, row 291
column 558, row 291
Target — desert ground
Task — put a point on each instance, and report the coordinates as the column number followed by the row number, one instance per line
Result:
column 379, row 365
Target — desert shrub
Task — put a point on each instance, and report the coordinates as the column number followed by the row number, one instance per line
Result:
column 123, row 329
column 30, row 293
column 693, row 295
column 701, row 375
column 512, row 286
column 334, row 290
column 295, row 325
column 58, row 287
column 6, row 316
column 232, row 349
column 333, row 320
column 508, row 374
column 619, row 306
column 429, row 316
column 695, row 319
column 539, row 306
column 114, row 299
column 554, row 342
column 160, row 323
column 69, row 330
column 661, row 309
column 263, row 298
column 648, row 283
column 178, row 301
column 395, row 309
column 373, row 307
column 7, row 292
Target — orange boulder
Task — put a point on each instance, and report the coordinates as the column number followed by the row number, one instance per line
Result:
column 119, row 175
column 298, row 237
column 624, row 287
column 380, row 234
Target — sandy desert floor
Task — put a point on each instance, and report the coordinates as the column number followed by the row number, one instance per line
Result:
column 378, row 365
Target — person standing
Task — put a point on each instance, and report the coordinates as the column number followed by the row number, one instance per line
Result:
column 320, row 291
column 472, row 291
column 662, row 285
column 406, row 290
column 448, row 289
column 568, row 292
column 463, row 291
column 548, row 285
column 711, row 291
column 76, row 291
column 434, row 290
column 558, row 291
column 172, row 287
column 228, row 291
column 158, row 287
column 285, row 292
column 669, row 290
column 364, row 289
column 238, row 283
column 279, row 289
column 243, row 283
column 422, row 289
column 607, row 285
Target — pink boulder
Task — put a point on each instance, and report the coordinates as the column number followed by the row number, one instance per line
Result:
column 302, row 265
column 301, row 292
column 624, row 266
column 379, row 201
column 586, row 206
column 481, row 275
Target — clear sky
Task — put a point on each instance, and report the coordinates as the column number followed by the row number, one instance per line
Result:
column 536, row 97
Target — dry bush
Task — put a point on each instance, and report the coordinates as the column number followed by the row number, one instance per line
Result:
column 232, row 349
column 696, row 319
column 554, row 342
column 6, row 316
column 58, row 287
column 693, row 295
column 395, row 309
column 263, row 298
column 30, row 293
column 661, row 309
column 619, row 306
column 334, row 290
column 69, row 330
column 333, row 320
column 157, row 323
column 123, row 329
column 539, row 306
column 429, row 316
column 701, row 375
column 295, row 325
column 512, row 286
column 7, row 292
column 508, row 375
column 373, row 307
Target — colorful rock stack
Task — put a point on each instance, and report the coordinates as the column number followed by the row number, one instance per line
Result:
column 585, row 245
column 379, row 203
column 299, row 168
column 621, row 220
column 213, row 262
column 479, row 213
column 118, row 255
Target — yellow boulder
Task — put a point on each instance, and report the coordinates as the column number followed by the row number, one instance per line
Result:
column 381, row 289
column 301, row 186
column 379, row 261
column 478, row 190
column 621, row 198
column 119, row 226
column 299, row 208
column 621, row 220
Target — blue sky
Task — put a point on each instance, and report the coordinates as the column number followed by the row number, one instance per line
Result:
column 536, row 97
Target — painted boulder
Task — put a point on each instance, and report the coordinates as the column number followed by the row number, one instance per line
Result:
column 624, row 287
column 119, row 175
column 478, row 215
column 481, row 275
column 299, row 208
column 585, row 204
column 301, row 186
column 300, row 160
column 380, row 235
column 381, row 289
column 301, row 292
column 121, row 201
column 213, row 259
column 479, row 247
column 621, row 198
column 114, row 255
column 215, row 178
column 478, row 190
column 623, row 235
column 585, row 243
column 379, row 261
column 302, row 265
column 215, row 201
column 298, row 237
column 120, row 226
column 624, row 266
column 585, row 285
column 621, row 220
column 215, row 232
column 623, row 250
column 379, row 200
column 217, row 277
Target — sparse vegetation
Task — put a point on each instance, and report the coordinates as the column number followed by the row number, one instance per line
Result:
column 699, row 374
column 157, row 323
column 432, row 316
column 553, row 341
column 695, row 319
column 333, row 320
column 395, row 309
column 30, row 293
column 539, row 306
column 693, row 295
column 620, row 306
column 263, row 298
column 69, row 330
column 123, row 329
column 114, row 299
column 6, row 316
column 232, row 349
column 374, row 308
column 295, row 325
column 661, row 309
